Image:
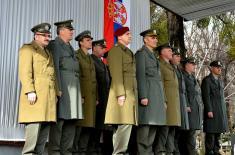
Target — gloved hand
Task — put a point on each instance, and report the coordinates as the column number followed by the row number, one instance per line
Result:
column 32, row 97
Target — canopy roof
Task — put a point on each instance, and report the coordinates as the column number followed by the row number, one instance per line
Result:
column 196, row 9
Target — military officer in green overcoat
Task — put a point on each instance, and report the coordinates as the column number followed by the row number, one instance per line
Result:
column 215, row 112
column 171, row 90
column 122, row 101
column 194, row 106
column 103, row 85
column 152, row 108
column 69, row 106
column 37, row 107
column 180, row 131
column 88, row 90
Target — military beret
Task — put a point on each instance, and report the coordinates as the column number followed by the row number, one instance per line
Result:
column 66, row 24
column 101, row 42
column 121, row 31
column 84, row 34
column 42, row 28
column 149, row 32
column 163, row 46
column 190, row 60
column 216, row 63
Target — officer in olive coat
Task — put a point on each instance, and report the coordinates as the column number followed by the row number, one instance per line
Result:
column 179, row 142
column 88, row 89
column 69, row 106
column 122, row 101
column 152, row 108
column 37, row 107
column 171, row 90
column 215, row 113
column 194, row 106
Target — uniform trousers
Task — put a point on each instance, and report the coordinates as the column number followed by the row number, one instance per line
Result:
column 212, row 144
column 161, row 139
column 145, row 138
column 36, row 135
column 61, row 137
column 170, row 143
column 83, row 141
column 187, row 145
column 121, row 137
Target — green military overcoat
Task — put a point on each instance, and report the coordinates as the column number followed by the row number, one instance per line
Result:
column 37, row 74
column 122, row 69
column 150, row 86
column 88, row 88
column 183, row 99
column 171, row 89
column 194, row 98
column 214, row 101
column 67, row 71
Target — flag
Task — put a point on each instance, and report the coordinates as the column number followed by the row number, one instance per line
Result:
column 116, row 15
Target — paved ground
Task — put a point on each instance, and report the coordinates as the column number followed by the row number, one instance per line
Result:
column 16, row 150
column 11, row 150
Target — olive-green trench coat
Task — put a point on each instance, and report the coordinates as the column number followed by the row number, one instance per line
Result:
column 171, row 89
column 88, row 88
column 37, row 74
column 122, row 69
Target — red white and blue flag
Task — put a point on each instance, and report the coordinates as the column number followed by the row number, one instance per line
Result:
column 116, row 15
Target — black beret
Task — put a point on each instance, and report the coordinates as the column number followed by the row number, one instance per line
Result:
column 42, row 28
column 84, row 34
column 216, row 63
column 101, row 42
column 66, row 24
column 149, row 32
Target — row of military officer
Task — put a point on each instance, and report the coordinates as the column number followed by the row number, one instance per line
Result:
column 59, row 85
column 169, row 98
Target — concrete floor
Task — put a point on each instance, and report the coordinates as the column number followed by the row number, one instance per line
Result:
column 11, row 150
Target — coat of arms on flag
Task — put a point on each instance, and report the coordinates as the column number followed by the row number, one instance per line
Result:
column 116, row 15
column 120, row 13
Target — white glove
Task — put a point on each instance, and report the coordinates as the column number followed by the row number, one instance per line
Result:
column 32, row 97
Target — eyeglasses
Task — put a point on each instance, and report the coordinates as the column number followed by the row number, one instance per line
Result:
column 44, row 35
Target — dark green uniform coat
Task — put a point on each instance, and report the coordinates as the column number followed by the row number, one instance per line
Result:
column 67, row 71
column 183, row 99
column 213, row 99
column 122, row 69
column 194, row 101
column 88, row 88
column 149, row 84
column 171, row 89
column 103, row 84
column 37, row 74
